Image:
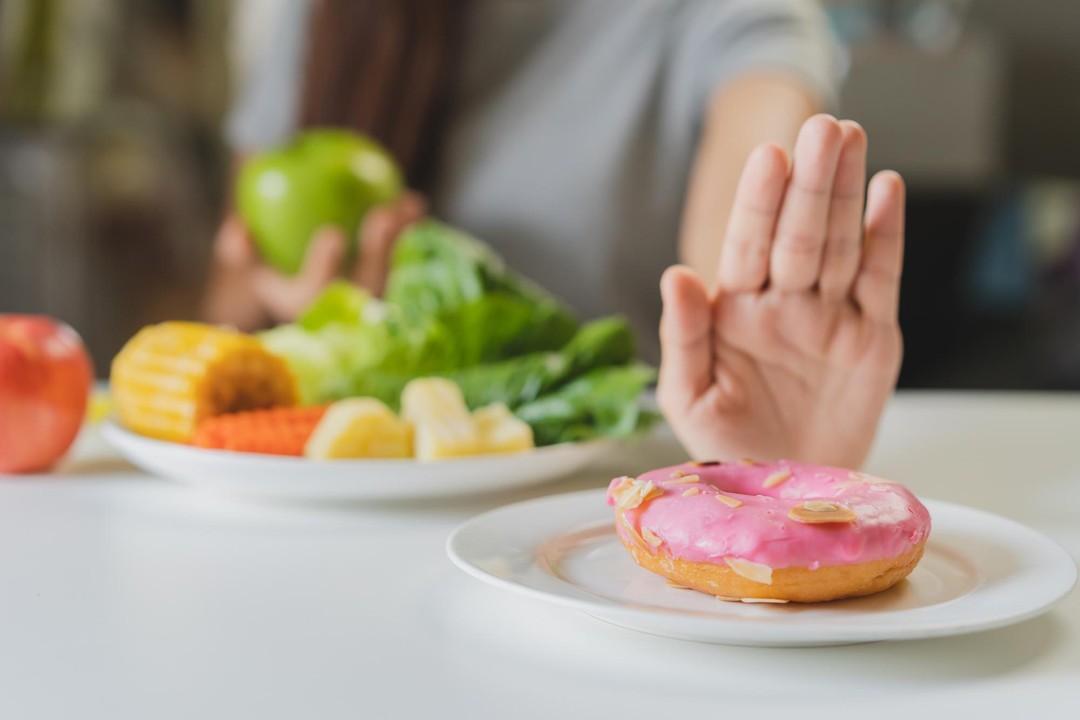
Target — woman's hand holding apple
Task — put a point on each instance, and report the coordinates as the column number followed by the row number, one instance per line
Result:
column 250, row 292
column 327, row 198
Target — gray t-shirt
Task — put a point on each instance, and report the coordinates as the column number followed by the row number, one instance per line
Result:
column 574, row 127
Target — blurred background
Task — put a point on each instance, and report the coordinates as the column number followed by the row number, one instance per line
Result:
column 113, row 169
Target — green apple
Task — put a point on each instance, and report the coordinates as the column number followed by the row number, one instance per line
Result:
column 323, row 177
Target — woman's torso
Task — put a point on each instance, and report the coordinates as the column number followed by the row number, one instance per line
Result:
column 574, row 125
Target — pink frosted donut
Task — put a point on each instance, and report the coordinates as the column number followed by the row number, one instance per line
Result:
column 775, row 532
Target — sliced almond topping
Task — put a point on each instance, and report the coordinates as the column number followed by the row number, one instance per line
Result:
column 622, row 486
column 867, row 478
column 636, row 493
column 776, row 478
column 748, row 461
column 633, row 533
column 691, row 491
column 772, row 601
column 652, row 538
column 685, row 480
column 814, row 512
column 650, row 491
column 728, row 500
column 677, row 474
column 750, row 570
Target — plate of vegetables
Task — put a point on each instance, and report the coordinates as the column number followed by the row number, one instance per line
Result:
column 284, row 477
column 464, row 378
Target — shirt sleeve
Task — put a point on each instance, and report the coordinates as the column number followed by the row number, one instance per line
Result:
column 266, row 111
column 791, row 37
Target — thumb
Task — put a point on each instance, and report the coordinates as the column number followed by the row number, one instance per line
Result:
column 686, row 339
column 233, row 246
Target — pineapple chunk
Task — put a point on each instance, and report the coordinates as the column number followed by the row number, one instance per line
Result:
column 359, row 428
column 442, row 425
column 502, row 432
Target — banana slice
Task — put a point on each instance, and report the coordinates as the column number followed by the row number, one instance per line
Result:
column 359, row 428
column 502, row 432
column 442, row 425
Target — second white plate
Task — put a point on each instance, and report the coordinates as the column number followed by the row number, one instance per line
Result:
column 980, row 571
column 300, row 478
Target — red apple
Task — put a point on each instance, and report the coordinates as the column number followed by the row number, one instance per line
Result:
column 45, row 378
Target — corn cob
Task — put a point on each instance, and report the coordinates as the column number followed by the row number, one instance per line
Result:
column 274, row 431
column 500, row 431
column 172, row 376
column 442, row 425
column 360, row 428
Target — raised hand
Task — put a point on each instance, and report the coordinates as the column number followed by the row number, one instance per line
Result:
column 796, row 352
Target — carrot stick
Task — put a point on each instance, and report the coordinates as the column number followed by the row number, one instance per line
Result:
column 276, row 431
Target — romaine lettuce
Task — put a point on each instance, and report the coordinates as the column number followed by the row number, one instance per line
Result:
column 454, row 310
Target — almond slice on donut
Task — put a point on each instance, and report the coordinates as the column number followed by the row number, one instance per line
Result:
column 691, row 491
column 652, row 538
column 867, row 478
column 813, row 512
column 780, row 476
column 750, row 570
column 748, row 461
column 763, row 601
column 728, row 500
column 633, row 494
column 622, row 486
column 633, row 533
column 857, row 478
column 752, row 600
column 684, row 479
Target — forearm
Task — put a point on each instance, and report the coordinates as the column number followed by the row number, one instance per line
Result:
column 755, row 109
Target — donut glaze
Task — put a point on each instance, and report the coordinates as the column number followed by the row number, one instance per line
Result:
column 751, row 519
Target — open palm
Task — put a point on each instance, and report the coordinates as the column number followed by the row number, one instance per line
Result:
column 797, row 351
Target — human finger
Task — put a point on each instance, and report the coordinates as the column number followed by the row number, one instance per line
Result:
column 377, row 235
column 744, row 257
column 843, row 239
column 376, row 238
column 686, row 338
column 795, row 262
column 233, row 246
column 411, row 206
column 323, row 257
column 877, row 286
column 285, row 297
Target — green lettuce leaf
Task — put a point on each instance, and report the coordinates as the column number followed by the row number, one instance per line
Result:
column 440, row 273
column 515, row 381
column 602, row 403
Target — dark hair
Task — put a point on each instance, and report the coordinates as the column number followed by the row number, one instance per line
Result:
column 384, row 67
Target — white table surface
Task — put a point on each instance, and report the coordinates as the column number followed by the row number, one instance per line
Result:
column 123, row 596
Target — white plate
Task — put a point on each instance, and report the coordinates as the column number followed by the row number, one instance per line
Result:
column 980, row 571
column 300, row 478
